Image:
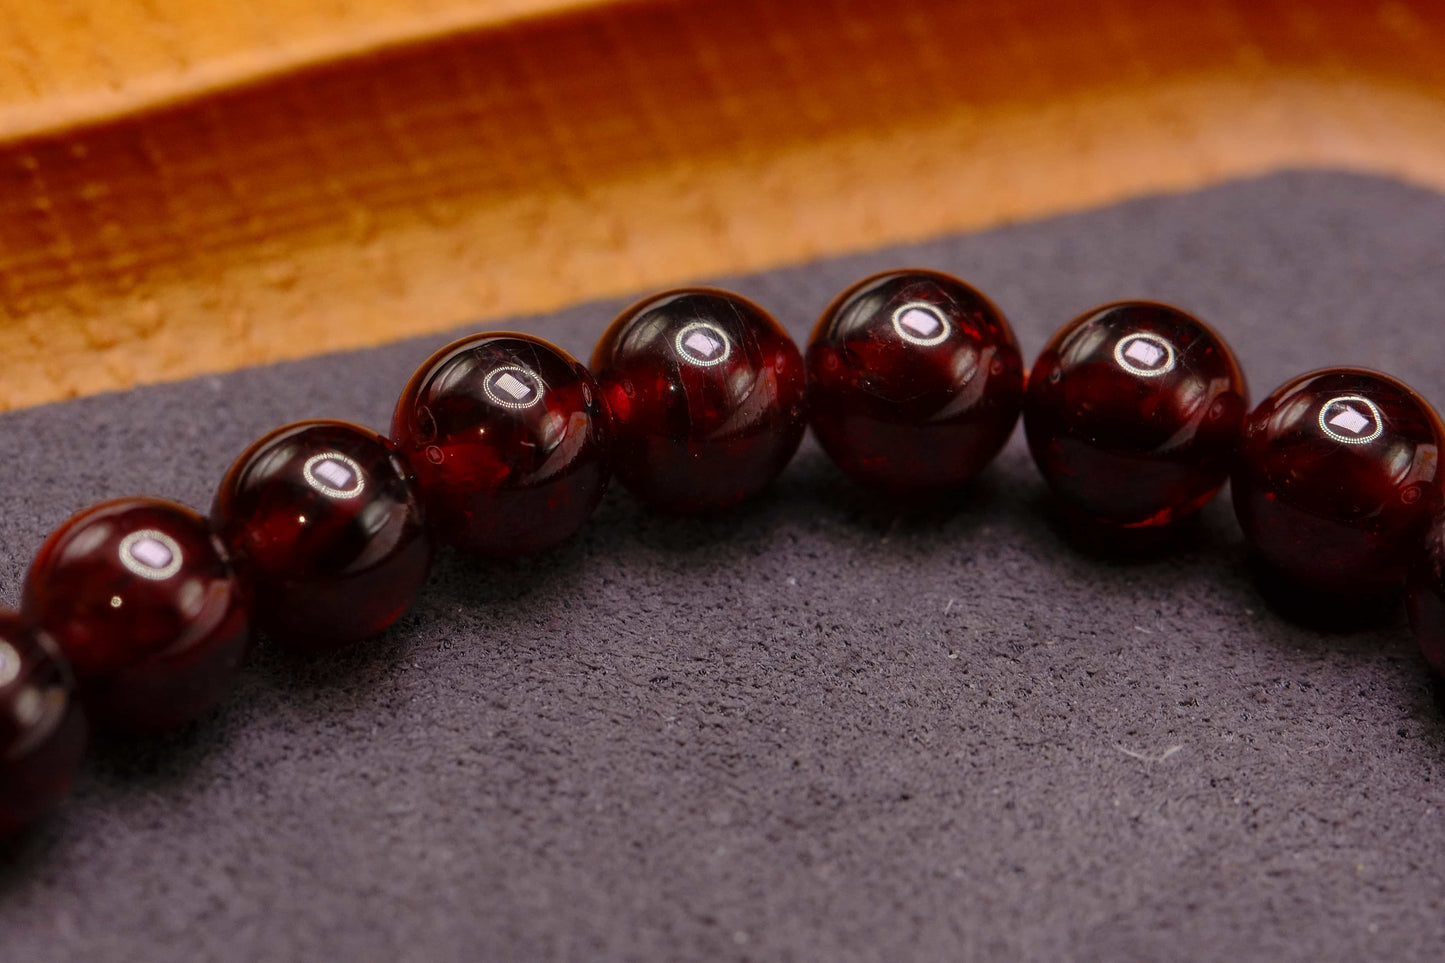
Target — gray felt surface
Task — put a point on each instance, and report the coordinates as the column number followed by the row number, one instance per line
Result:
column 809, row 729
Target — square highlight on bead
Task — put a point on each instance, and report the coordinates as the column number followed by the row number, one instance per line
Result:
column 1350, row 420
column 701, row 343
column 151, row 553
column 920, row 322
column 1143, row 352
column 514, row 386
column 334, row 474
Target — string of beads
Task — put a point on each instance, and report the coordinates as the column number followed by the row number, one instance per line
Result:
column 137, row 612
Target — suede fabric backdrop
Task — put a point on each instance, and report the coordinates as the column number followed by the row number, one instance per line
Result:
column 823, row 726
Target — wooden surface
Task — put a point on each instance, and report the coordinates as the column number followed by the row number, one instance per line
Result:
column 192, row 187
column 75, row 61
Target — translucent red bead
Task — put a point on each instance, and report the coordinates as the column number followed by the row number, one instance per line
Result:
column 1426, row 597
column 914, row 381
column 42, row 727
column 507, row 435
column 1336, row 479
column 1133, row 414
column 706, row 395
column 323, row 519
column 144, row 604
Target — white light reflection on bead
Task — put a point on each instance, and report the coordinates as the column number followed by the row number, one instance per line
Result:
column 702, row 344
column 334, row 474
column 513, row 386
column 1351, row 419
column 9, row 664
column 920, row 323
column 29, row 706
column 150, row 554
column 1146, row 355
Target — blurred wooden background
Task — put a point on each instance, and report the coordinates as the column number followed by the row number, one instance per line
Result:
column 196, row 185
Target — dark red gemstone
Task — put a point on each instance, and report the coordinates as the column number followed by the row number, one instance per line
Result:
column 914, row 381
column 1133, row 414
column 144, row 604
column 706, row 395
column 1427, row 597
column 324, row 521
column 42, row 728
column 507, row 435
column 1337, row 476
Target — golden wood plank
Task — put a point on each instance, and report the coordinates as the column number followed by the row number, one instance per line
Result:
column 529, row 164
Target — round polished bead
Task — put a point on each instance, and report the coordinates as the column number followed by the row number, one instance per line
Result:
column 914, row 381
column 1426, row 597
column 42, row 728
column 706, row 395
column 323, row 519
column 507, row 435
column 1336, row 478
column 144, row 604
column 1133, row 414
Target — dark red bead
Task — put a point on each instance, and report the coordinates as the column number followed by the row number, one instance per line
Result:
column 1427, row 597
column 324, row 521
column 144, row 604
column 1337, row 476
column 914, row 381
column 706, row 394
column 1133, row 414
column 507, row 435
column 42, row 728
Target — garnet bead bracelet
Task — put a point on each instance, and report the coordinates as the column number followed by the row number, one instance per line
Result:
column 136, row 613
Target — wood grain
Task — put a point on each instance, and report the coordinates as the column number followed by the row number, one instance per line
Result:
column 70, row 62
column 497, row 161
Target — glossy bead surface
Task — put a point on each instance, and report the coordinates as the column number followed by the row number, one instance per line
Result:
column 1336, row 479
column 1133, row 413
column 706, row 396
column 42, row 727
column 145, row 606
column 915, row 381
column 507, row 435
column 1426, row 597
column 323, row 519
